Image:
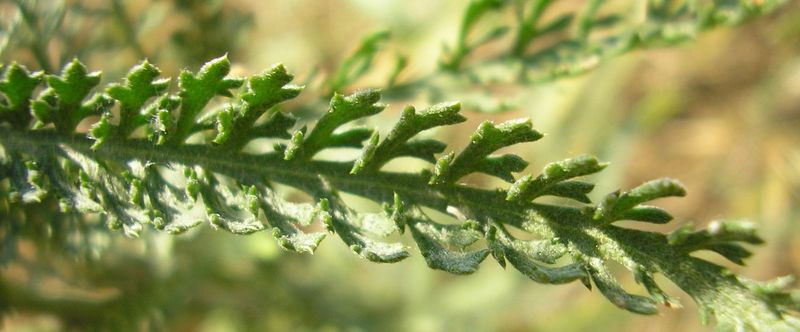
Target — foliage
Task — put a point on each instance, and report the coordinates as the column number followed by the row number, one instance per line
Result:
column 222, row 150
column 601, row 30
column 183, row 173
column 58, row 31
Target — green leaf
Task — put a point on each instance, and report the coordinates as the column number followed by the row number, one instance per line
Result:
column 610, row 288
column 196, row 90
column 74, row 84
column 236, row 126
column 336, row 216
column 524, row 254
column 411, row 123
column 430, row 238
column 26, row 178
column 132, row 183
column 141, row 84
column 646, row 279
column 62, row 103
column 528, row 30
column 543, row 274
column 475, row 157
column 619, row 206
column 169, row 208
column 401, row 62
column 233, row 211
column 721, row 237
column 359, row 62
column 160, row 118
column 552, row 180
column 475, row 11
column 17, row 86
column 581, row 38
column 343, row 109
column 645, row 213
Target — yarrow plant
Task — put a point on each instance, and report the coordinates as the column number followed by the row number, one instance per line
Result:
column 140, row 156
column 158, row 162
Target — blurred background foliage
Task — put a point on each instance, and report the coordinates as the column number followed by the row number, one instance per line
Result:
column 720, row 113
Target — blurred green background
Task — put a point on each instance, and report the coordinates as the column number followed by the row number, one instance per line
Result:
column 721, row 114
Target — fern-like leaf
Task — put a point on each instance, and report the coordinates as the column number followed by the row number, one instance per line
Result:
column 594, row 30
column 159, row 177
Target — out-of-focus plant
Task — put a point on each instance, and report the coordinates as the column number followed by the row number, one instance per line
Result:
column 52, row 33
